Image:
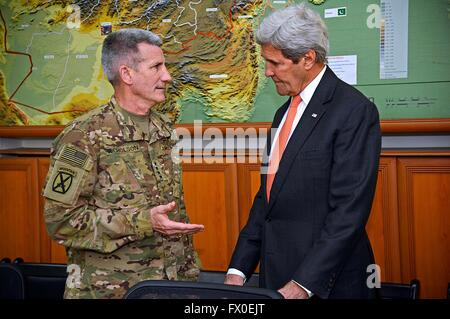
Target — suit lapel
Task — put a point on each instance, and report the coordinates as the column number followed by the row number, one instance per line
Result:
column 313, row 113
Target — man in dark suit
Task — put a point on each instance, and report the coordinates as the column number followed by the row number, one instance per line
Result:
column 307, row 223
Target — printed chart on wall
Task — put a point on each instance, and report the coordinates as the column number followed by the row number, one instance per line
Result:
column 397, row 52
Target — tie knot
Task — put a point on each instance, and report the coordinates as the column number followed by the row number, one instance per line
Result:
column 296, row 100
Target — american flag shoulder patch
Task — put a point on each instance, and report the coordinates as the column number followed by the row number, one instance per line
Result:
column 74, row 156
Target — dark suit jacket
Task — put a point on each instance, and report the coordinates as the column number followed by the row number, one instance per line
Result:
column 313, row 228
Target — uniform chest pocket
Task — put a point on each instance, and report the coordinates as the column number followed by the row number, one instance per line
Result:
column 121, row 179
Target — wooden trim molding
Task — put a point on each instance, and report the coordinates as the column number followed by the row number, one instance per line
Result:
column 26, row 151
column 415, row 126
column 31, row 131
column 388, row 171
column 416, row 152
column 387, row 127
column 245, row 195
column 43, row 164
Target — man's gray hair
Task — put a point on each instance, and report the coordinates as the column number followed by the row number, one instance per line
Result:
column 121, row 47
column 295, row 30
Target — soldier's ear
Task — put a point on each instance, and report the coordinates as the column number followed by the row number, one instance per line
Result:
column 125, row 74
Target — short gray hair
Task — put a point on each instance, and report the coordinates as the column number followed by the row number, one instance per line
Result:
column 295, row 30
column 121, row 47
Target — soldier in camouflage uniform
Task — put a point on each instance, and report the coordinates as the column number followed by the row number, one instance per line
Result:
column 113, row 194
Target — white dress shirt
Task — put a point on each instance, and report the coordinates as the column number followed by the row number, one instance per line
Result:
column 306, row 96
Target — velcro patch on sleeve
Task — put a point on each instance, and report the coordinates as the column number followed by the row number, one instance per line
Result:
column 75, row 157
column 64, row 183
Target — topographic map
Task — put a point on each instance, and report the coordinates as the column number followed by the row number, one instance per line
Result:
column 50, row 69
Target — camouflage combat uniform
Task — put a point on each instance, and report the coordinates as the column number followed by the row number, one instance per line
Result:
column 105, row 176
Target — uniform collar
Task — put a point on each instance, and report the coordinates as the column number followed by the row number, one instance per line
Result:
column 160, row 125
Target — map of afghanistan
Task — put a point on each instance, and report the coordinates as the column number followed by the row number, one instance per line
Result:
column 50, row 66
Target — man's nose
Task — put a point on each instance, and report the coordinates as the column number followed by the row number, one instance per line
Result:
column 268, row 71
column 166, row 75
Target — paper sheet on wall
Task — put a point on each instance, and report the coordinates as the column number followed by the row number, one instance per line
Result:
column 394, row 39
column 345, row 67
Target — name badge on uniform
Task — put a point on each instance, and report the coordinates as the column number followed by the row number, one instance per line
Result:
column 127, row 148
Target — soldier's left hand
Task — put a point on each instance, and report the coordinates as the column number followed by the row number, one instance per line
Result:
column 161, row 222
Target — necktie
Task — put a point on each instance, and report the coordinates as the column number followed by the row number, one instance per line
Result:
column 280, row 143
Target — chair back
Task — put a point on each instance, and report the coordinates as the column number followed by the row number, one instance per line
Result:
column 43, row 281
column 390, row 290
column 167, row 289
column 11, row 282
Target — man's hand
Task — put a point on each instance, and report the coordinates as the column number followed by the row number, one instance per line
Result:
column 293, row 291
column 161, row 222
column 235, row 280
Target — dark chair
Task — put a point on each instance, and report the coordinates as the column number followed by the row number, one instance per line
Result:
column 219, row 277
column 43, row 281
column 11, row 282
column 167, row 289
column 391, row 290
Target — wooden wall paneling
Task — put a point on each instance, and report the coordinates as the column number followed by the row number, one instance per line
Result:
column 382, row 226
column 46, row 242
column 210, row 192
column 19, row 204
column 51, row 251
column 248, row 185
column 424, row 216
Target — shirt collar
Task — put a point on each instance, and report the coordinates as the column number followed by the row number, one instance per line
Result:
column 309, row 90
